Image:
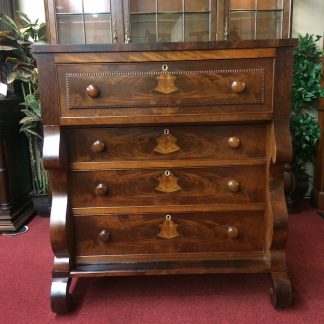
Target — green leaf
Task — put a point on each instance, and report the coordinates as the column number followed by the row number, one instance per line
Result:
column 23, row 17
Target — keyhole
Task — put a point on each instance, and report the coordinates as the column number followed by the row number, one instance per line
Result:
column 165, row 67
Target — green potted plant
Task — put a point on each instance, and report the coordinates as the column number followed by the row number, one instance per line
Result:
column 15, row 43
column 305, row 131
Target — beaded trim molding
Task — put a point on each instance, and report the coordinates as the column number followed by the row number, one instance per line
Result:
column 70, row 76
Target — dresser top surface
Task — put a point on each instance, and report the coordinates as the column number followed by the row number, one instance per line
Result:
column 132, row 47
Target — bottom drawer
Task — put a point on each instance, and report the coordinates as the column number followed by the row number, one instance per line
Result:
column 164, row 234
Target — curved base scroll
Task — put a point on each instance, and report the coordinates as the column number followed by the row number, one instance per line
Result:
column 61, row 299
column 281, row 293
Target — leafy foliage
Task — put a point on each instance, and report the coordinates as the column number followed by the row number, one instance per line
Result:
column 15, row 45
column 306, row 91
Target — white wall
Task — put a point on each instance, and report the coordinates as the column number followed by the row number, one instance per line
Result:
column 33, row 8
column 308, row 17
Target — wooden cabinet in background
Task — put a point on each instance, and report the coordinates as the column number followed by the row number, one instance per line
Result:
column 15, row 177
column 151, row 21
column 167, row 159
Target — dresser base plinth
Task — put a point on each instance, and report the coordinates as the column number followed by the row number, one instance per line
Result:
column 280, row 293
column 168, row 267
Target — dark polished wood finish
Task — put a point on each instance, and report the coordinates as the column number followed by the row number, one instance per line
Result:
column 168, row 170
column 15, row 178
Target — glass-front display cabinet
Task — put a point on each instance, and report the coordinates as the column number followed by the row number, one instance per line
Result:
column 259, row 19
column 147, row 21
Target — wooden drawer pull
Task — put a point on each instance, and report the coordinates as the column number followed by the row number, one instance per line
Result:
column 104, row 235
column 101, row 189
column 98, row 146
column 238, row 86
column 232, row 232
column 234, row 142
column 233, row 186
column 92, row 91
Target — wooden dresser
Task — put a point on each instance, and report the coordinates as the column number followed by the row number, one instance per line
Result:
column 167, row 159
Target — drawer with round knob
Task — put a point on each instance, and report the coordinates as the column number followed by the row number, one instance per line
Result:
column 164, row 187
column 107, row 89
column 169, row 233
column 221, row 142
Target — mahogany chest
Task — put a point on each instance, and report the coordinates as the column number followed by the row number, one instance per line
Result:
column 167, row 159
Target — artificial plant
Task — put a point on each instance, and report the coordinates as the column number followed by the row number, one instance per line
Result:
column 15, row 46
column 306, row 91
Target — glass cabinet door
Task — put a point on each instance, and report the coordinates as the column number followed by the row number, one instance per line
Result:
column 150, row 21
column 259, row 19
column 84, row 21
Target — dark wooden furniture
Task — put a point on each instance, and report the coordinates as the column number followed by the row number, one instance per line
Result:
column 147, row 21
column 318, row 190
column 167, row 159
column 15, row 181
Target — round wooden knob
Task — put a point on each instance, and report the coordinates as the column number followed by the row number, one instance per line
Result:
column 232, row 232
column 234, row 142
column 233, row 186
column 92, row 91
column 98, row 146
column 104, row 235
column 238, row 86
column 101, row 189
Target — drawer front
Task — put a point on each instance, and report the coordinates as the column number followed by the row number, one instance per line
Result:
column 165, row 234
column 167, row 143
column 105, row 87
column 176, row 186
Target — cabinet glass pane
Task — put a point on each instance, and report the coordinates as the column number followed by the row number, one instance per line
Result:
column 196, row 27
column 96, row 6
column 98, row 28
column 170, row 27
column 242, row 25
column 243, row 4
column 170, row 6
column 68, row 6
column 196, row 6
column 268, row 24
column 270, row 4
column 143, row 28
column 70, row 29
column 141, row 6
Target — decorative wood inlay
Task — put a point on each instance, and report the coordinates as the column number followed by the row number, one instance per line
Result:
column 166, row 143
column 166, row 86
column 168, row 229
column 168, row 182
column 166, row 83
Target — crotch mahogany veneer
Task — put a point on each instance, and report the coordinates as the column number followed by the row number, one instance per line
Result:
column 167, row 159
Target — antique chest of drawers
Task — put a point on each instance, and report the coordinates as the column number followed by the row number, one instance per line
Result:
column 167, row 159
